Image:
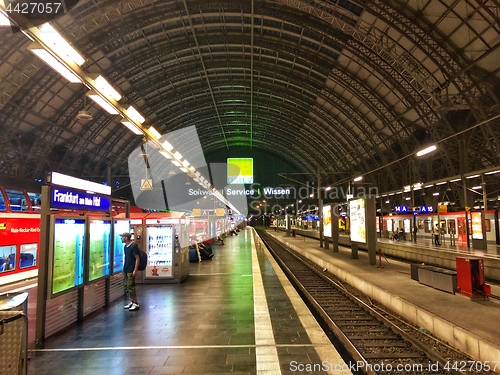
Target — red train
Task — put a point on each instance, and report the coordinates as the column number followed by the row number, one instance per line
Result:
column 19, row 234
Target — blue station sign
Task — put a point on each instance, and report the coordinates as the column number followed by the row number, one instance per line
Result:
column 69, row 199
column 426, row 209
column 401, row 209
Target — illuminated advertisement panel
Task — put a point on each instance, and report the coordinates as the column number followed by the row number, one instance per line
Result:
column 327, row 221
column 358, row 220
column 240, row 170
column 120, row 226
column 68, row 254
column 160, row 249
column 99, row 248
column 477, row 227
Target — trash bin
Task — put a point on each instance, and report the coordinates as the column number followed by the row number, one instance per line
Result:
column 293, row 232
column 14, row 333
column 354, row 251
column 14, row 302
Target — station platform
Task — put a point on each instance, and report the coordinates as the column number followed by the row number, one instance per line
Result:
column 470, row 325
column 234, row 314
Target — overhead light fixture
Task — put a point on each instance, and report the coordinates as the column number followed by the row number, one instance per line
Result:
column 166, row 154
column 185, row 163
column 103, row 103
column 493, row 172
column 59, row 45
column 53, row 62
column 134, row 129
column 427, row 150
column 176, row 163
column 168, row 146
column 178, row 155
column 359, row 178
column 154, row 132
column 476, row 187
column 474, row 176
column 4, row 20
column 135, row 115
column 105, row 88
column 456, row 180
column 436, row 193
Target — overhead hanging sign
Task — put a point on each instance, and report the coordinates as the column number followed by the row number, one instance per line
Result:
column 69, row 199
column 146, row 184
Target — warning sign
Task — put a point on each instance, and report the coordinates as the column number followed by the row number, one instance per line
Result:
column 146, row 184
column 196, row 212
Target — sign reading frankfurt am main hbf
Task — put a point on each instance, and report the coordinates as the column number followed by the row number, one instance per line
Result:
column 68, row 199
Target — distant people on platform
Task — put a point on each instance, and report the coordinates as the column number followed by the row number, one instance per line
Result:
column 220, row 239
column 435, row 232
column 233, row 231
column 399, row 235
column 203, row 250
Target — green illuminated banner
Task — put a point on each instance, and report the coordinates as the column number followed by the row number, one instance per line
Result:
column 239, row 170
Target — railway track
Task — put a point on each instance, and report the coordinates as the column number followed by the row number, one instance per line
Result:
column 379, row 341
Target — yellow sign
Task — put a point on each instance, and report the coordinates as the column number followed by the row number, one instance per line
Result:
column 196, row 212
column 219, row 212
column 442, row 208
column 146, row 184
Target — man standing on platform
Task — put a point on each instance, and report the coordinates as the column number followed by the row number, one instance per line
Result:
column 130, row 266
column 435, row 231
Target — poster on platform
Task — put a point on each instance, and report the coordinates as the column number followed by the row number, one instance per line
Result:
column 477, row 227
column 120, row 226
column 358, row 220
column 99, row 248
column 327, row 220
column 68, row 254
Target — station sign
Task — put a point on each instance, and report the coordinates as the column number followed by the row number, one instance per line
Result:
column 69, row 199
column 401, row 209
column 426, row 209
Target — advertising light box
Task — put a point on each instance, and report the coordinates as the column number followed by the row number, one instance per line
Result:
column 99, row 248
column 240, row 170
column 358, row 220
column 477, row 227
column 68, row 246
column 327, row 221
column 120, row 226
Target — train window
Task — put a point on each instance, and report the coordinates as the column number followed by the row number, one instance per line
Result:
column 17, row 200
column 3, row 207
column 7, row 258
column 28, row 255
column 36, row 201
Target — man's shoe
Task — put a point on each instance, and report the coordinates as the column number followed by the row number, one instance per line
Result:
column 135, row 306
column 128, row 306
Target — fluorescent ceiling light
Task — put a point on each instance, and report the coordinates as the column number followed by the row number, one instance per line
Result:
column 4, row 20
column 476, row 187
column 103, row 103
column 134, row 115
column 168, row 146
column 166, row 154
column 440, row 183
column 455, row 180
column 59, row 45
column 474, row 176
column 183, row 169
column 77, row 183
column 359, row 178
column 198, row 174
column 185, row 163
column 105, row 88
column 493, row 172
column 427, row 150
column 436, row 193
column 134, row 129
column 55, row 64
column 176, row 163
column 154, row 132
column 178, row 155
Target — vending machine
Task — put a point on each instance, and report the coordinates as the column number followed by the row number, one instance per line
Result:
column 159, row 245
